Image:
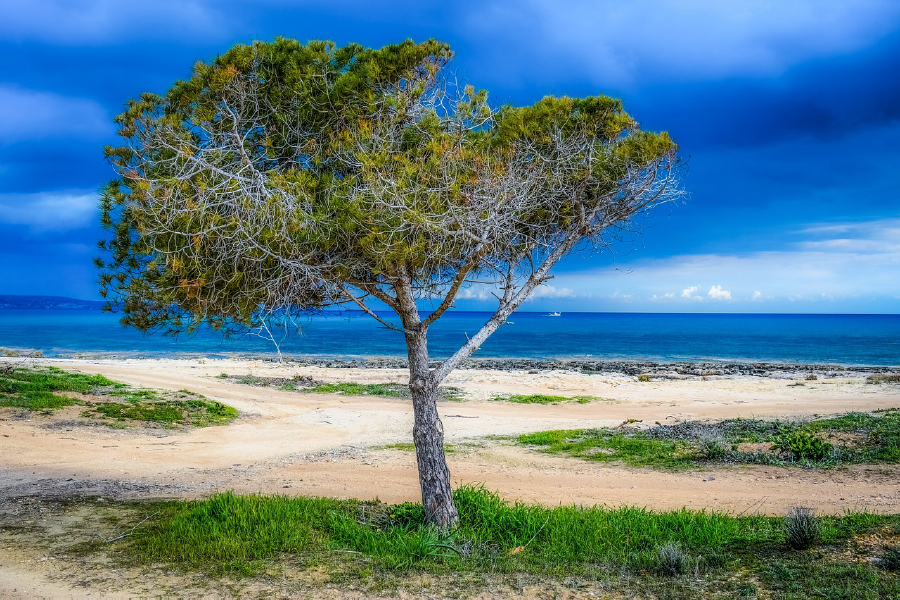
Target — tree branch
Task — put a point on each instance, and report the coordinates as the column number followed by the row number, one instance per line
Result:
column 362, row 305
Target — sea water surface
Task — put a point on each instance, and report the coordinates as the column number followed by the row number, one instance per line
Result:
column 790, row 338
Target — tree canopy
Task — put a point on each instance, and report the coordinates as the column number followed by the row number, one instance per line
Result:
column 286, row 177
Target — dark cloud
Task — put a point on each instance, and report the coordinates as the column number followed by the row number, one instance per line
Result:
column 788, row 118
column 823, row 99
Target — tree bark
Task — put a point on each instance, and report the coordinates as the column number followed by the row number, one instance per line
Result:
column 428, row 432
column 428, row 435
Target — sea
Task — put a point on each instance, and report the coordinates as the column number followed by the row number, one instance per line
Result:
column 849, row 340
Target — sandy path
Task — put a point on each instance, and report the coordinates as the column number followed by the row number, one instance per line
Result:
column 291, row 442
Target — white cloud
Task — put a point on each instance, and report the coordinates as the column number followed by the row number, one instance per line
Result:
column 49, row 211
column 473, row 293
column 31, row 115
column 717, row 293
column 859, row 275
column 548, row 291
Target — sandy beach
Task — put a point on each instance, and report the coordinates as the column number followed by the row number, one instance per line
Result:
column 291, row 442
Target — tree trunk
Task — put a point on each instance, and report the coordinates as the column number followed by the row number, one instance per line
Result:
column 428, row 435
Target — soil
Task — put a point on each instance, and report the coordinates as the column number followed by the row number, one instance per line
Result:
column 296, row 442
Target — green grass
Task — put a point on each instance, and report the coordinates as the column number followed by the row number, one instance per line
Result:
column 229, row 534
column 410, row 447
column 347, row 388
column 196, row 412
column 608, row 445
column 546, row 399
column 38, row 389
column 384, row 390
column 851, row 438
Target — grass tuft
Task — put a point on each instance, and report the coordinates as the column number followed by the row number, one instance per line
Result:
column 890, row 560
column 670, row 559
column 801, row 528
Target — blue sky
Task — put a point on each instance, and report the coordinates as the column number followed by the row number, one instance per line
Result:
column 788, row 111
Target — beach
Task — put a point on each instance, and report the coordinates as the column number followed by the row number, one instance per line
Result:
column 291, row 442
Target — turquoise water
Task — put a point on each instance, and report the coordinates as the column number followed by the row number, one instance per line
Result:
column 833, row 339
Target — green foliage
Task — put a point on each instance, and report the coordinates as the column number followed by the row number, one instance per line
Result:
column 802, row 445
column 35, row 389
column 322, row 127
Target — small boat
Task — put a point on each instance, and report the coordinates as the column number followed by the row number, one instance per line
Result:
column 554, row 314
column 508, row 323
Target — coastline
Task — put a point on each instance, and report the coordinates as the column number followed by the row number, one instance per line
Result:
column 662, row 369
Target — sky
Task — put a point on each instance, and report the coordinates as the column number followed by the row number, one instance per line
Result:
column 787, row 113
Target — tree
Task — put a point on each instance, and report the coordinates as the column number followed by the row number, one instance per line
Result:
column 284, row 177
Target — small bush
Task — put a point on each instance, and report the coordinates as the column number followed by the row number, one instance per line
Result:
column 802, row 445
column 670, row 559
column 801, row 528
column 883, row 379
column 890, row 560
column 644, row 378
column 714, row 447
column 811, row 378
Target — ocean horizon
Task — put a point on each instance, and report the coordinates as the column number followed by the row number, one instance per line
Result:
column 849, row 340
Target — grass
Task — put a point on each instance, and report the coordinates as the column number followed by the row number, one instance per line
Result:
column 547, row 399
column 609, row 445
column 384, row 390
column 39, row 389
column 346, row 388
column 410, row 447
column 196, row 411
column 680, row 554
column 851, row 438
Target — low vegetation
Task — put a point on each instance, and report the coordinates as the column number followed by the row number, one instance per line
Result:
column 106, row 400
column 623, row 551
column 854, row 437
column 346, row 388
column 547, row 399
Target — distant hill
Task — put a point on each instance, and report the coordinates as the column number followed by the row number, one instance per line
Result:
column 48, row 302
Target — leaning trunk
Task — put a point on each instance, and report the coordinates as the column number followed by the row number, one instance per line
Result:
column 428, row 435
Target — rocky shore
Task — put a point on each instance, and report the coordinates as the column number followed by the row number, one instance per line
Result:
column 656, row 370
